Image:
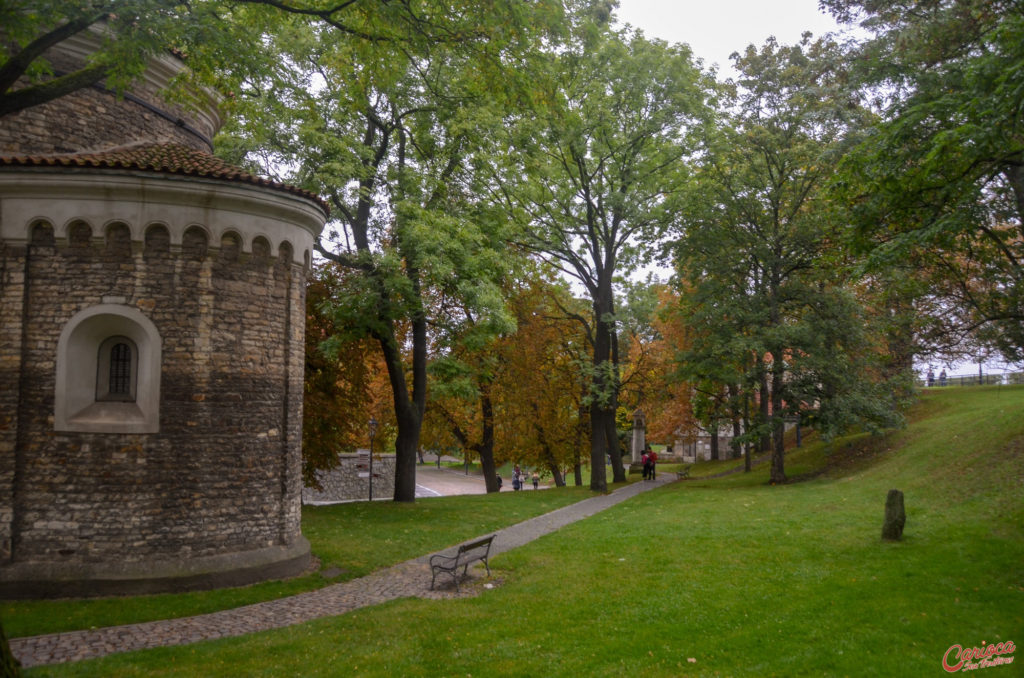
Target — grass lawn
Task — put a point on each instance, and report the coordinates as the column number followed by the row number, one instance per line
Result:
column 350, row 540
column 710, row 577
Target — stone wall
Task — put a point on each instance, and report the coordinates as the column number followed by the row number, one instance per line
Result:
column 344, row 484
column 222, row 475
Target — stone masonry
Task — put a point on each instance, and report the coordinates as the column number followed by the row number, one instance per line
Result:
column 211, row 263
column 98, row 117
column 345, row 483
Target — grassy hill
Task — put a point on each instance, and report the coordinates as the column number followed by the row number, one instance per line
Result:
column 725, row 577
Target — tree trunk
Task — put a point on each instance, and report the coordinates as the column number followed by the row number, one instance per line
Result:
column 614, row 447
column 406, row 443
column 713, row 432
column 604, row 385
column 612, row 429
column 598, row 449
column 735, row 443
column 778, row 473
column 747, row 465
column 552, row 464
column 486, row 447
column 765, row 409
column 408, row 410
column 580, row 439
column 1014, row 174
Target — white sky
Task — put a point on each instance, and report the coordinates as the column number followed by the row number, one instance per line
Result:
column 715, row 29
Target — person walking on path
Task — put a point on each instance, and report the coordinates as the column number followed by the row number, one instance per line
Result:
column 411, row 578
column 653, row 457
column 536, row 479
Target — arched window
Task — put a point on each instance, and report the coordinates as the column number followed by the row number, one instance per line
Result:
column 117, row 370
column 108, row 372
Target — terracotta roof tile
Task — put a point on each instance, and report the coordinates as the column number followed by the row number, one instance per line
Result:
column 165, row 158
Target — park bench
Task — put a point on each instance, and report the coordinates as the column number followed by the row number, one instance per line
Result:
column 467, row 554
column 683, row 472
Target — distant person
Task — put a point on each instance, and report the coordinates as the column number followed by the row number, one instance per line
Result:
column 931, row 377
column 653, row 456
column 498, row 476
column 645, row 459
column 536, row 479
column 942, row 378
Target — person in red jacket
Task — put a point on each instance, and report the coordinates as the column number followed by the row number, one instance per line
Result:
column 653, row 457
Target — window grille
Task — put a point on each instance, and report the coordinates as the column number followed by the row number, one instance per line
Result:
column 120, row 370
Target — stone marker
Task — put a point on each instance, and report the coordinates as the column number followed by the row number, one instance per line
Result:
column 639, row 436
column 895, row 516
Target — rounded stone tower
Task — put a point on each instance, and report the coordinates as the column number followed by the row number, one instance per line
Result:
column 151, row 350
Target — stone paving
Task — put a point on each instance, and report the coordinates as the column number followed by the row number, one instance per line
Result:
column 408, row 579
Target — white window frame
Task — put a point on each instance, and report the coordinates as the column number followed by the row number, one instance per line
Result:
column 79, row 403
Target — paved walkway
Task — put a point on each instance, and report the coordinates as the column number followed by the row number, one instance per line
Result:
column 408, row 579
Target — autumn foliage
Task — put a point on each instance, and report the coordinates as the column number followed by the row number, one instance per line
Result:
column 343, row 387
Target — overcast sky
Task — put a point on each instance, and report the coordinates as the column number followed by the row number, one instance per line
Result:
column 716, row 29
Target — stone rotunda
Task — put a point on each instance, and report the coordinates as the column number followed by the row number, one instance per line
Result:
column 151, row 349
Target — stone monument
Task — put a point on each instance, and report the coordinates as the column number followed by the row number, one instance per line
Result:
column 895, row 516
column 639, row 437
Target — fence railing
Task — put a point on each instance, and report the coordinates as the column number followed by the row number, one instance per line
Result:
column 976, row 380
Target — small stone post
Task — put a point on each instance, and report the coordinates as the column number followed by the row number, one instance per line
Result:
column 895, row 516
column 639, row 439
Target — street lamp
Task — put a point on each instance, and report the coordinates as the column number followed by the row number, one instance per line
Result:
column 373, row 432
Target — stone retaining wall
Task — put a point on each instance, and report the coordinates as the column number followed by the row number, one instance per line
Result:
column 344, row 483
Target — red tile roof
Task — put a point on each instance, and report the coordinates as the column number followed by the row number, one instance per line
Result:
column 164, row 158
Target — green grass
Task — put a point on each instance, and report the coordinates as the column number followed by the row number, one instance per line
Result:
column 740, row 577
column 355, row 539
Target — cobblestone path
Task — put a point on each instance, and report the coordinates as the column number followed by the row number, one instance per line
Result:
column 408, row 579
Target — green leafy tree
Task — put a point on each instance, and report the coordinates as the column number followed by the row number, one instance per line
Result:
column 392, row 138
column 601, row 162
column 223, row 40
column 939, row 182
column 759, row 252
column 214, row 37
